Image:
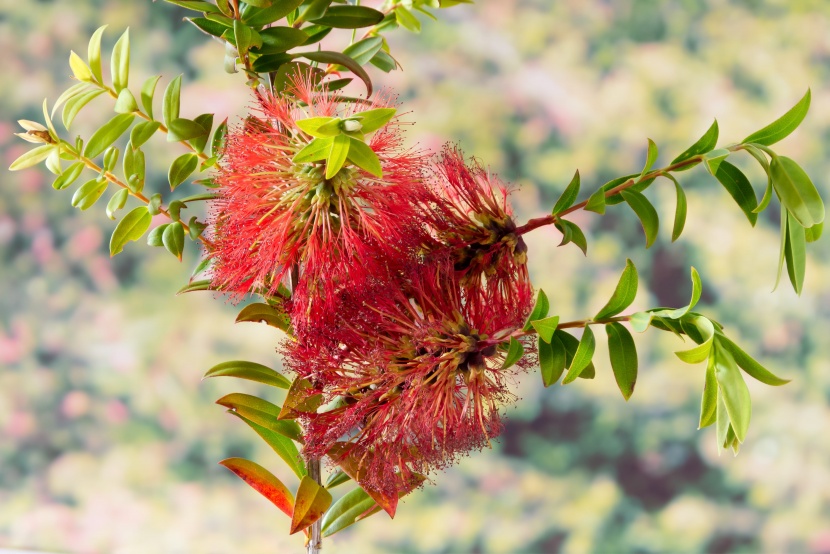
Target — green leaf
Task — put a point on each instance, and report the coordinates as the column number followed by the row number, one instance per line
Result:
column 262, row 413
column 722, row 420
column 700, row 352
column 572, row 233
column 134, row 163
column 407, row 20
column 32, row 157
column 79, row 68
column 207, row 26
column 172, row 100
column 582, row 357
column 148, row 90
column 118, row 201
column 131, row 227
column 515, row 351
column 384, row 62
column 796, row 191
column 181, row 129
column 251, row 371
column 645, row 212
column 277, row 40
column 121, row 62
column 266, row 16
column 314, row 9
column 596, row 202
column 337, row 478
column 680, row 211
column 142, row 132
column 282, row 445
column 320, row 127
column 709, row 400
column 173, row 239
column 337, row 155
column 109, row 133
column 265, row 313
column 311, row 503
column 126, row 102
column 74, row 105
column 316, row 150
column 697, row 290
column 814, row 233
column 196, row 227
column 552, row 359
column 749, row 365
column 734, row 391
column 349, row 17
column 262, row 481
column 372, row 120
column 94, row 54
column 89, row 193
column 270, row 63
column 361, row 155
column 69, row 175
column 324, row 56
column 641, row 321
column 795, row 254
column 623, row 355
column 154, row 238
column 738, row 186
column 205, row 121
column 623, row 295
column 352, row 507
column 783, row 126
column 182, row 168
column 714, row 158
column 364, row 50
column 217, row 143
column 651, row 157
column 196, row 5
column 568, row 196
column 546, row 327
column 706, row 143
column 243, row 36
column 785, row 217
column 540, row 309
column 71, row 92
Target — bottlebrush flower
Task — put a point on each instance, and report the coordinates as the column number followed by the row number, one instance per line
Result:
column 416, row 379
column 274, row 214
column 468, row 212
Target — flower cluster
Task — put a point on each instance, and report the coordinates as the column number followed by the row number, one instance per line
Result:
column 407, row 283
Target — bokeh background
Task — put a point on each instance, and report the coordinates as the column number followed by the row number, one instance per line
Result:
column 109, row 441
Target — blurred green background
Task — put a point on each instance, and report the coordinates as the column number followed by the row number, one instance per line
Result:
column 109, row 441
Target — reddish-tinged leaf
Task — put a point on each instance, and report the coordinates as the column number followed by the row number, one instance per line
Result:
column 299, row 400
column 312, row 502
column 262, row 481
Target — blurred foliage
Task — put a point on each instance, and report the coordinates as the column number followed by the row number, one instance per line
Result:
column 109, row 443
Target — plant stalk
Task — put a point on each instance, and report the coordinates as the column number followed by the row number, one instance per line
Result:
column 315, row 542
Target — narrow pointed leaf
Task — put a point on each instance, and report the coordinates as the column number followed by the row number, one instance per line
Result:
column 783, row 126
column 645, row 212
column 680, row 211
column 280, row 444
column 364, row 50
column 540, row 309
column 262, row 413
column 324, row 56
column 582, row 357
column 709, row 399
column 552, row 360
column 109, row 133
column 266, row 16
column 749, row 365
column 94, row 53
column 118, row 201
column 572, row 233
column 706, row 143
column 148, row 90
column 32, row 157
column 796, row 191
column 596, row 202
column 265, row 313
column 352, row 507
column 316, row 150
column 372, row 120
column 569, row 195
column 361, row 155
column 349, row 17
column 182, row 168
column 173, row 239
column 89, row 193
column 651, row 157
column 142, row 132
column 734, row 391
column 121, row 62
column 74, row 105
column 337, row 155
column 623, row 295
column 73, row 91
column 126, row 102
column 251, row 371
column 172, row 100
column 623, row 354
column 311, row 503
column 738, row 186
column 262, row 481
column 795, row 254
column 300, row 399
column 69, row 176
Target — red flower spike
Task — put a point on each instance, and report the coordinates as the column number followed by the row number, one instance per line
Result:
column 468, row 212
column 417, row 376
column 273, row 215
